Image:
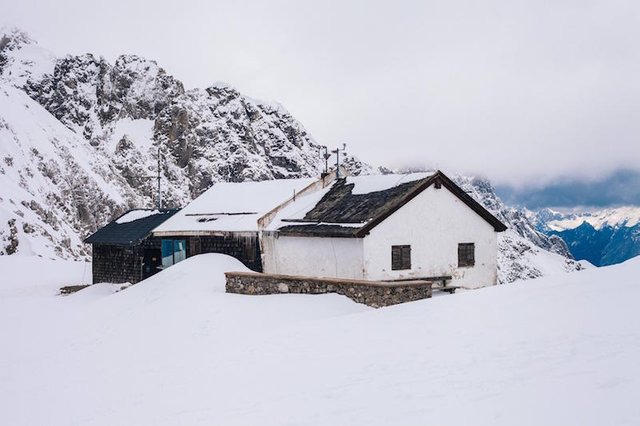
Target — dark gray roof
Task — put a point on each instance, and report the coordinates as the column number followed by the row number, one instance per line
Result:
column 341, row 206
column 318, row 230
column 128, row 233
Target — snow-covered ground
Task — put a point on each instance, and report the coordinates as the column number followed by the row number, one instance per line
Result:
column 31, row 276
column 175, row 349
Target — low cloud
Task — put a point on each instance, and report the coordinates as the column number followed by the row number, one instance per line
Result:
column 520, row 92
column 620, row 188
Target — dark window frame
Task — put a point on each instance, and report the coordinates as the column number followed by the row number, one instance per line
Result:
column 175, row 244
column 466, row 255
column 400, row 257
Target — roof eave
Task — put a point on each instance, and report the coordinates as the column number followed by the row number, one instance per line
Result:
column 316, row 234
column 202, row 233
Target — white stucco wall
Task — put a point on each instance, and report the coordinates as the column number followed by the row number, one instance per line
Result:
column 433, row 223
column 316, row 257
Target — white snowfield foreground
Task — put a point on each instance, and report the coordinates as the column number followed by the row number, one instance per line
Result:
column 175, row 349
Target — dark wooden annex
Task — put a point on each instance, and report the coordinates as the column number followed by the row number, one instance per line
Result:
column 244, row 246
column 124, row 250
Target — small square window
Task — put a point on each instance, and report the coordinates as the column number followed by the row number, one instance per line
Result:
column 466, row 254
column 400, row 257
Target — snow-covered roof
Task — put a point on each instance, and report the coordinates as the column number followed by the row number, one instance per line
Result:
column 352, row 203
column 232, row 207
column 374, row 183
column 351, row 207
column 132, row 215
column 130, row 228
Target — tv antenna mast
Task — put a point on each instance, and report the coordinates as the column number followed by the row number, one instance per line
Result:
column 326, row 157
column 159, row 179
column 337, row 152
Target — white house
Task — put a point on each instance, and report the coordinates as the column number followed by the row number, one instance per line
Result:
column 389, row 227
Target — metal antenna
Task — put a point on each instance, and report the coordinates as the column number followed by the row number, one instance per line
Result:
column 326, row 156
column 159, row 193
column 158, row 177
column 337, row 153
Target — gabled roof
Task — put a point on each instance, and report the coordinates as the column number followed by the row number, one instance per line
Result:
column 130, row 228
column 231, row 207
column 352, row 207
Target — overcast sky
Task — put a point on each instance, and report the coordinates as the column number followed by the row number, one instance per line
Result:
column 522, row 92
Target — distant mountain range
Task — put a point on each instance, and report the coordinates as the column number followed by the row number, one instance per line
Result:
column 603, row 237
column 79, row 143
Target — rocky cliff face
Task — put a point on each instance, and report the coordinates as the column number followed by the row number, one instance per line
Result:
column 89, row 95
column 121, row 118
column 523, row 251
column 218, row 134
column 81, row 138
column 54, row 188
column 204, row 136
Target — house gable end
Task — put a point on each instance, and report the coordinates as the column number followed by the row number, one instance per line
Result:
column 439, row 180
column 341, row 213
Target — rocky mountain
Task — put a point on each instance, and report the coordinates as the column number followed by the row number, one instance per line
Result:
column 602, row 237
column 127, row 110
column 523, row 250
column 82, row 141
column 22, row 59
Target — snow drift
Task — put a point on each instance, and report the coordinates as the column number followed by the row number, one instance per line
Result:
column 175, row 349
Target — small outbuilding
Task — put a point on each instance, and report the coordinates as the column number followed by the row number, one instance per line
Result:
column 125, row 251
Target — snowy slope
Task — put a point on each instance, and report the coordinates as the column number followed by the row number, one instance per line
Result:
column 176, row 350
column 31, row 277
column 54, row 189
column 519, row 259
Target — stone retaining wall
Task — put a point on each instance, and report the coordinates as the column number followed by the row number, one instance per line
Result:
column 371, row 293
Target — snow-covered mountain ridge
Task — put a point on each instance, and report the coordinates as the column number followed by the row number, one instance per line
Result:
column 628, row 216
column 602, row 237
column 80, row 140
